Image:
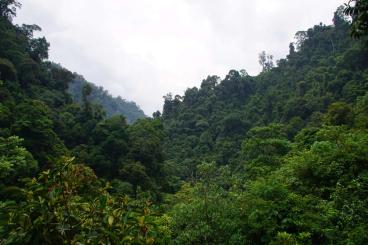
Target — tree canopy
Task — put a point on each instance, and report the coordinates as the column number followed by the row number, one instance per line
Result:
column 277, row 158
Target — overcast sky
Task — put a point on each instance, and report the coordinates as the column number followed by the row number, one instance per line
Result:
column 144, row 49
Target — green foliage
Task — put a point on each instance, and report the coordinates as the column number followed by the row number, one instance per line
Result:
column 33, row 123
column 361, row 111
column 263, row 148
column 326, row 71
column 35, row 106
column 15, row 161
column 7, row 70
column 357, row 9
column 146, row 137
column 339, row 113
column 300, row 202
column 110, row 145
column 69, row 205
column 206, row 213
column 39, row 49
column 293, row 142
column 278, row 158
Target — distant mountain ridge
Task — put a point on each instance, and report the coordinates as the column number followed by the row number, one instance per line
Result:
column 111, row 105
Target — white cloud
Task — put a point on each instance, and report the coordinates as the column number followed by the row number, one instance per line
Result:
column 144, row 49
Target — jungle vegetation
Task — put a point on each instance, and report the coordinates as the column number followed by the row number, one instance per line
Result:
column 277, row 158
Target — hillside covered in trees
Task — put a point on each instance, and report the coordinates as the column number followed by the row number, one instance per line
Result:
column 111, row 105
column 324, row 69
column 277, row 158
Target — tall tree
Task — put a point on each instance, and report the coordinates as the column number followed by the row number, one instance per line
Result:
column 266, row 61
column 358, row 10
column 8, row 8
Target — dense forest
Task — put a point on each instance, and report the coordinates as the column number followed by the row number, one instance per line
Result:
column 112, row 106
column 277, row 158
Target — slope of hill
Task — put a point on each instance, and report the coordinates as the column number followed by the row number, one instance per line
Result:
column 278, row 158
column 209, row 123
column 112, row 106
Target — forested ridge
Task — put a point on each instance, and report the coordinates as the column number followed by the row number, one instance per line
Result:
column 277, row 158
column 111, row 105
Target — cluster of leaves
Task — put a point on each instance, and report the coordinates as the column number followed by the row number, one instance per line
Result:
column 69, row 205
column 15, row 160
